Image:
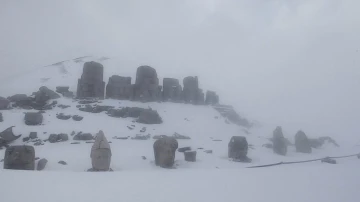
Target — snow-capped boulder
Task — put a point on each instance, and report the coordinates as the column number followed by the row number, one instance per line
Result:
column 100, row 153
column 302, row 143
column 20, row 158
column 164, row 151
column 279, row 142
column 33, row 118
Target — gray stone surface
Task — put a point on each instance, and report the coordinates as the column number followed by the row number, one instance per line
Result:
column 83, row 136
column 62, row 137
column 91, row 84
column 119, row 87
column 18, row 97
column 19, row 158
column 279, row 142
column 1, row 117
column 8, row 136
column 238, row 148
column 172, row 90
column 146, row 88
column 231, row 115
column 62, row 163
column 41, row 164
column 190, row 156
column 191, row 89
column 184, row 149
column 33, row 118
column 164, row 151
column 211, row 98
column 4, row 103
column 77, row 118
column 48, row 92
column 33, row 135
column 302, row 143
column 62, row 89
column 62, row 116
column 328, row 160
column 100, row 153
column 149, row 117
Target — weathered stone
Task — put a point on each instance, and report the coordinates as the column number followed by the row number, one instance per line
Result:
column 100, row 153
column 91, row 84
column 302, row 143
column 62, row 116
column 18, row 97
column 191, row 89
column 62, row 163
column 146, row 87
column 33, row 118
column 211, row 98
column 19, row 158
column 208, row 151
column 180, row 137
column 149, row 117
column 33, row 135
column 238, row 148
column 77, row 118
column 83, row 136
column 328, row 160
column 184, row 149
column 164, row 151
column 63, row 106
column 141, row 137
column 190, row 156
column 4, row 103
column 69, row 94
column 53, row 138
column 279, row 142
column 41, row 164
column 8, row 135
column 62, row 137
column 119, row 87
column 1, row 117
column 95, row 109
column 25, row 139
column 172, row 90
column 49, row 92
column 62, row 89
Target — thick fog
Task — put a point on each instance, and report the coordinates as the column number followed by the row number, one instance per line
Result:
column 294, row 63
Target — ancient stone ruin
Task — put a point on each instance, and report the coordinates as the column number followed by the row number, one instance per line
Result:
column 91, row 84
column 302, row 143
column 211, row 98
column 238, row 149
column 33, row 118
column 192, row 93
column 4, row 103
column 7, row 136
column 120, row 88
column 172, row 90
column 164, row 151
column 279, row 142
column 190, row 156
column 100, row 153
column 146, row 87
column 20, row 158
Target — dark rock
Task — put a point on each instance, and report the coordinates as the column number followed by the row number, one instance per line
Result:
column 62, row 89
column 63, row 106
column 141, row 137
column 1, row 117
column 328, row 160
column 191, row 89
column 41, row 164
column 319, row 142
column 38, row 143
column 53, row 138
column 146, row 88
column 84, row 102
column 238, row 148
column 143, row 157
column 149, row 117
column 119, row 113
column 36, row 158
column 33, row 118
column 100, row 153
column 72, row 133
column 268, row 145
column 75, row 143
column 89, row 142
column 208, row 151
column 211, row 98
column 180, row 137
column 77, row 118
column 130, row 128
column 164, row 151
column 25, row 139
column 7, row 136
column 18, row 97
column 134, row 112
column 62, row 116
column 184, row 149
column 91, row 84
column 302, row 143
column 190, row 156
column 279, row 142
column 216, row 140
column 33, row 135
column 68, row 94
column 156, row 137
column 172, row 90
column 95, row 109
column 19, row 158
column 143, row 130
column 49, row 92
column 62, row 137
column 78, row 106
column 62, row 163
column 120, row 138
column 83, row 136
column 119, row 87
column 4, row 103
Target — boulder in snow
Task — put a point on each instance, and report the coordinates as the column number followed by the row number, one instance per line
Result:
column 33, row 118
column 1, row 117
column 91, row 84
column 238, row 148
column 149, row 117
column 100, row 153
column 62, row 116
column 20, row 158
column 4, row 103
column 302, row 143
column 146, row 87
column 83, row 136
column 279, row 142
column 8, row 136
column 164, row 151
column 77, row 118
column 211, row 98
column 190, row 156
column 62, row 89
column 41, row 164
column 33, row 135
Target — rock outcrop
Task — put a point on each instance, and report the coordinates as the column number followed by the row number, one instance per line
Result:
column 91, row 84
column 164, row 151
column 149, row 117
column 119, row 87
column 211, row 98
column 146, row 87
column 20, row 158
column 172, row 90
column 191, row 89
column 230, row 114
column 302, row 143
column 100, row 153
column 238, row 148
column 4, row 103
column 279, row 142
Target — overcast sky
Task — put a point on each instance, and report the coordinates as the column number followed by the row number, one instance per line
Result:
column 294, row 63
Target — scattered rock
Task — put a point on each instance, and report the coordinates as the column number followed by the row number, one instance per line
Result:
column 143, row 130
column 91, row 84
column 4, row 103
column 53, row 138
column 33, row 135
column 120, row 138
column 62, row 116
column 164, row 151
column 302, row 143
column 38, row 143
column 141, row 137
column 72, row 133
column 217, row 140
column 279, row 142
column 20, row 158
column 25, row 139
column 238, row 148
column 190, row 156
column 41, row 164
column 62, row 137
column 156, row 137
column 63, row 106
column 68, row 94
column 146, row 88
column 62, row 89
column 77, row 118
column 95, row 109
column 180, row 137
column 18, row 98
column 83, row 136
column 119, row 87
column 49, row 92
column 130, row 128
column 231, row 116
column 62, row 163
column 328, row 160
column 149, row 117
column 208, row 151
column 143, row 157
column 100, row 153
column 184, row 149
column 319, row 142
column 75, row 143
column 200, row 148
column 85, row 102
column 33, row 118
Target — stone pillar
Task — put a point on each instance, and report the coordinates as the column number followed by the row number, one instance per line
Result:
column 91, row 84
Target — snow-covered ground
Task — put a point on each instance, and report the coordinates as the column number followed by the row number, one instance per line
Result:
column 213, row 177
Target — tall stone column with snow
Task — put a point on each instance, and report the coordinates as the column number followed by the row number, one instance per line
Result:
column 147, row 85
column 91, row 84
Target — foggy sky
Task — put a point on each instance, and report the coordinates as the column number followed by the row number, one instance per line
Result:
column 294, row 63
